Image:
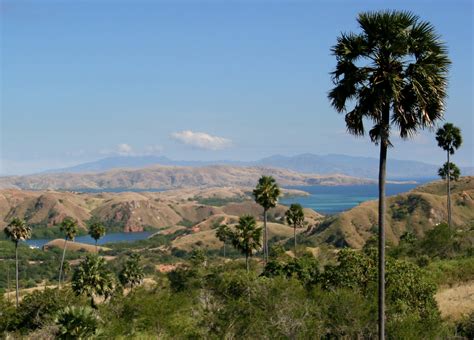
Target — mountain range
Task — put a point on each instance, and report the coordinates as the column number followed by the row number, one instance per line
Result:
column 365, row 167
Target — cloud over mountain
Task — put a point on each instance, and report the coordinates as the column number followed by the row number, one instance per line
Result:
column 201, row 140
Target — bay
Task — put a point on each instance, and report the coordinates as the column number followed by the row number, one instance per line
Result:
column 330, row 200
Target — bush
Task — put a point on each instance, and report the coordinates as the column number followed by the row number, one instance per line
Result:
column 77, row 322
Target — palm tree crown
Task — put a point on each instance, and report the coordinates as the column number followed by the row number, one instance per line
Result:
column 247, row 236
column 266, row 192
column 449, row 138
column 451, row 169
column 69, row 228
column 17, row 230
column 295, row 215
column 96, row 230
column 395, row 71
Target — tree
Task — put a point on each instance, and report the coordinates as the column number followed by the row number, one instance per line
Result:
column 394, row 74
column 452, row 169
column 92, row 278
column 449, row 139
column 17, row 231
column 132, row 273
column 266, row 194
column 77, row 323
column 247, row 237
column 69, row 228
column 96, row 231
column 295, row 217
column 223, row 233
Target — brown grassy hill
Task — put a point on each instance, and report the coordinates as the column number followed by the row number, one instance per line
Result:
column 131, row 211
column 74, row 246
column 418, row 211
column 167, row 177
column 208, row 239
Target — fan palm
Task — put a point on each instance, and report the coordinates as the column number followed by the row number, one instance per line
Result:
column 17, row 231
column 132, row 273
column 394, row 74
column 96, row 231
column 223, row 233
column 92, row 278
column 266, row 194
column 69, row 227
column 451, row 169
column 247, row 237
column 449, row 139
column 295, row 217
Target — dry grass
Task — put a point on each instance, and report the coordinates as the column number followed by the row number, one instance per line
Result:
column 74, row 246
column 457, row 301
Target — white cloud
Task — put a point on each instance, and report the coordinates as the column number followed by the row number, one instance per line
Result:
column 201, row 140
column 124, row 149
column 153, row 150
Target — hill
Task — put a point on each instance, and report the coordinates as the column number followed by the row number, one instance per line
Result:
column 417, row 211
column 170, row 177
column 131, row 211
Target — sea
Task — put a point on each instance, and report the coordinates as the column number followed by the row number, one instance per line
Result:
column 330, row 200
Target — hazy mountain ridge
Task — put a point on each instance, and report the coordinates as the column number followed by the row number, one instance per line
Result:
column 366, row 167
column 169, row 177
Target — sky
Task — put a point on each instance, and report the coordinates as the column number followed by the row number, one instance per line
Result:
column 197, row 80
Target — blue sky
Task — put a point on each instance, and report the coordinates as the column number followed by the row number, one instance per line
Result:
column 196, row 80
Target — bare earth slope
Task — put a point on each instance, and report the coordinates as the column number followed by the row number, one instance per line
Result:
column 168, row 177
column 417, row 211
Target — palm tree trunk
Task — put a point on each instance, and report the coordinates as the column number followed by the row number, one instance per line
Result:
column 17, row 286
column 62, row 262
column 247, row 262
column 96, row 251
column 294, row 236
column 265, row 236
column 381, row 243
column 449, row 193
column 224, row 249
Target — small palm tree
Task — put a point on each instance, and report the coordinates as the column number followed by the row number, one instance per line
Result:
column 295, row 217
column 247, row 237
column 17, row 231
column 77, row 323
column 92, row 278
column 451, row 169
column 393, row 74
column 223, row 233
column 449, row 139
column 266, row 194
column 96, row 231
column 132, row 273
column 69, row 227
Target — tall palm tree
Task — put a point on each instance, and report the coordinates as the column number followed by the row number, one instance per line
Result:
column 295, row 217
column 247, row 237
column 17, row 231
column 449, row 139
column 266, row 194
column 96, row 231
column 393, row 74
column 69, row 227
column 223, row 233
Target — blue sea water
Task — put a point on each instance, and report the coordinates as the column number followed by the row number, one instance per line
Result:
column 108, row 238
column 330, row 200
